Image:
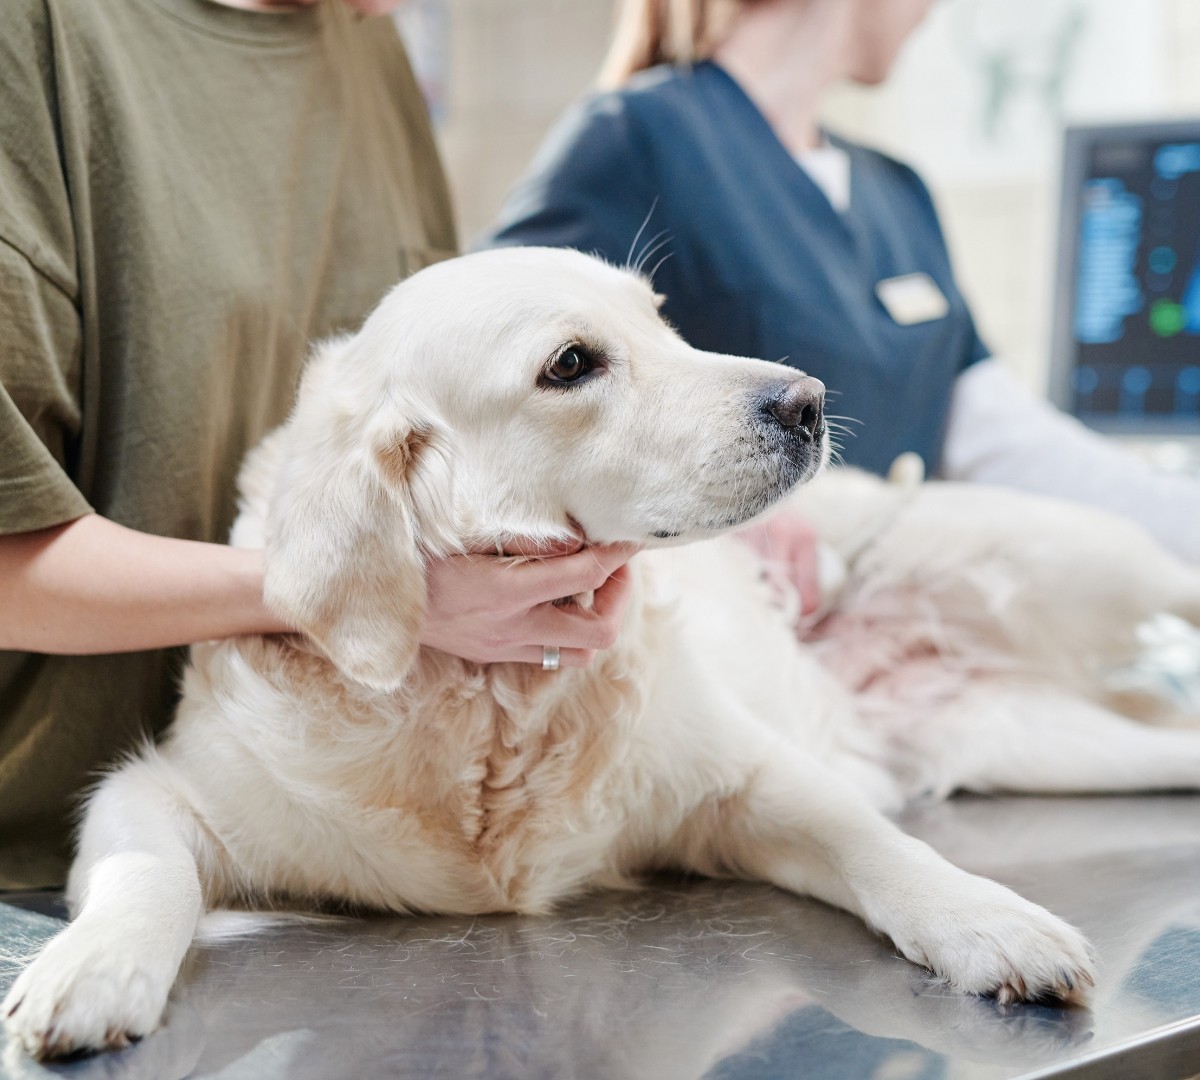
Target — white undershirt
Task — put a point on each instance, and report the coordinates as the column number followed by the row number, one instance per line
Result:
column 828, row 167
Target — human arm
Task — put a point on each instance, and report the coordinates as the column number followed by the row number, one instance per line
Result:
column 1000, row 433
column 93, row 586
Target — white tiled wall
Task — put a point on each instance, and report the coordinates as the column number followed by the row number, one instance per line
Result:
column 516, row 63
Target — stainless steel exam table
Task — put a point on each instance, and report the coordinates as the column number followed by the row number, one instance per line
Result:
column 690, row 979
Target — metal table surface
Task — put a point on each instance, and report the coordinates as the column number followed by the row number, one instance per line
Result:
column 689, row 979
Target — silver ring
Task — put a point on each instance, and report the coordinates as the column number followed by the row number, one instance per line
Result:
column 550, row 657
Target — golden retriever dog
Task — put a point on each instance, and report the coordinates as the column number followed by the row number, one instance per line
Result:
column 537, row 393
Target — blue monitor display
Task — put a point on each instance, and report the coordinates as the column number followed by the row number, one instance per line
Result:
column 1127, row 349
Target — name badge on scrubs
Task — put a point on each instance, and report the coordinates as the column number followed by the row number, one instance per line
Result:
column 912, row 298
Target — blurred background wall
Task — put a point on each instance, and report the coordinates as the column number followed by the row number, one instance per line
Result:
column 977, row 104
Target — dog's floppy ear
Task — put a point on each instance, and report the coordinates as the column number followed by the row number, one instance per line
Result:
column 363, row 495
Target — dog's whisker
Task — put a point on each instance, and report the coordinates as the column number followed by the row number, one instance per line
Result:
column 653, row 245
column 638, row 235
column 658, row 265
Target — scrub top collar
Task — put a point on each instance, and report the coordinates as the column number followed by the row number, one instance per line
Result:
column 843, row 223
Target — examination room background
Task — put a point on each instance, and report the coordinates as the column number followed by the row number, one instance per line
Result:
column 977, row 105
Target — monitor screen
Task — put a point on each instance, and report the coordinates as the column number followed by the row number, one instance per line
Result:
column 1126, row 353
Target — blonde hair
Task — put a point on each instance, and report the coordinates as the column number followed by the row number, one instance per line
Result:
column 650, row 32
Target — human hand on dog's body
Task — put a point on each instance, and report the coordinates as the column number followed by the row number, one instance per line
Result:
column 493, row 610
column 787, row 545
column 93, row 586
column 805, row 573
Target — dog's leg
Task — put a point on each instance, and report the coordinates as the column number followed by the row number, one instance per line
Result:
column 805, row 829
column 104, row 980
column 1036, row 739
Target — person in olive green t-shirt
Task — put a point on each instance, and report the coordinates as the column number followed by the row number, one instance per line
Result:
column 189, row 195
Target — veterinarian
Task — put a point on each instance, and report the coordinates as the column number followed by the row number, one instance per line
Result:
column 189, row 195
column 703, row 162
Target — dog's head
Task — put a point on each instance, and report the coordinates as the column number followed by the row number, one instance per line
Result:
column 518, row 393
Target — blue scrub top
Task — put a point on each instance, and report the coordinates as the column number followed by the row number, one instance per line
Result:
column 760, row 264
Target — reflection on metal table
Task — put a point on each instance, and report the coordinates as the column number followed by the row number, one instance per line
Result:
column 690, row 979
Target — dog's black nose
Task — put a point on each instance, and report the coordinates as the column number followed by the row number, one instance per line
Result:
column 799, row 407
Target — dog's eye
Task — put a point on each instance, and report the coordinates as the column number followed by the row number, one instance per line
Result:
column 569, row 366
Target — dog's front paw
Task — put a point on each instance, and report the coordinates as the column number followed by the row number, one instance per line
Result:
column 985, row 939
column 85, row 992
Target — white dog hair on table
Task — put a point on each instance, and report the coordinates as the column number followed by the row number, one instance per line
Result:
column 534, row 393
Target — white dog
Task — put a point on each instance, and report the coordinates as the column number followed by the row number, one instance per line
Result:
column 536, row 393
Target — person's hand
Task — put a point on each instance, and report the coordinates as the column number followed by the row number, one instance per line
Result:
column 788, row 547
column 490, row 610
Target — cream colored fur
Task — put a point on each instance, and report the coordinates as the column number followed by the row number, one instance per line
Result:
column 349, row 765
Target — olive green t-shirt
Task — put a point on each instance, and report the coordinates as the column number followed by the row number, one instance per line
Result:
column 189, row 195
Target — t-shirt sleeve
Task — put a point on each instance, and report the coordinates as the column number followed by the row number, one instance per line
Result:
column 39, row 409
column 40, row 342
column 589, row 188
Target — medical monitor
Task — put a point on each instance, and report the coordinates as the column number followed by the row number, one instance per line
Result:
column 1126, row 350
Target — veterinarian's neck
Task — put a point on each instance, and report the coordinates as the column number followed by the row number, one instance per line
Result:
column 785, row 56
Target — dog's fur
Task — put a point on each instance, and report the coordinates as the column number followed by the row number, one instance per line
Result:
column 350, row 765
